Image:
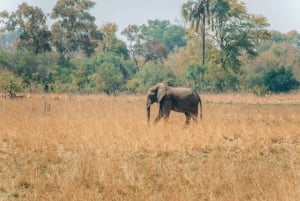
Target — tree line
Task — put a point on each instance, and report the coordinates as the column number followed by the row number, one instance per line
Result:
column 220, row 47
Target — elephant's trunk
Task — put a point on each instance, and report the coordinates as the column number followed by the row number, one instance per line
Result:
column 148, row 108
column 148, row 114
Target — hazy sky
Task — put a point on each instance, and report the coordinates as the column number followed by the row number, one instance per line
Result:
column 282, row 15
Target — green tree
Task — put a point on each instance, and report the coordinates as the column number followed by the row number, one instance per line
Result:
column 31, row 23
column 280, row 80
column 233, row 35
column 174, row 36
column 279, row 50
column 195, row 76
column 80, row 80
column 153, row 41
column 5, row 60
column 106, row 72
column 293, row 37
column 164, row 32
column 276, row 36
column 110, row 75
column 74, row 28
column 7, row 40
column 153, row 51
column 237, row 33
column 32, row 69
column 110, row 42
column 134, row 37
column 149, row 75
column 10, row 83
column 197, row 13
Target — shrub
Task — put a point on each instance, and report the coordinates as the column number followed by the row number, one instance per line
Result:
column 149, row 75
column 280, row 80
column 9, row 83
column 195, row 76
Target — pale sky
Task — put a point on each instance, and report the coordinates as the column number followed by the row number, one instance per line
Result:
column 283, row 16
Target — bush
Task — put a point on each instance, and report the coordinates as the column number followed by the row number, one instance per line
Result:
column 195, row 76
column 9, row 83
column 150, row 75
column 280, row 80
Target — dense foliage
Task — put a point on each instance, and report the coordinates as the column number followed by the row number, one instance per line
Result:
column 280, row 80
column 224, row 49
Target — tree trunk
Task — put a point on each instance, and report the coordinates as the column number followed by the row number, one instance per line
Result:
column 203, row 40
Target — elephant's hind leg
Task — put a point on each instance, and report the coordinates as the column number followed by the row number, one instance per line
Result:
column 195, row 118
column 188, row 118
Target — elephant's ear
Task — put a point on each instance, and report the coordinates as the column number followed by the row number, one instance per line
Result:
column 161, row 92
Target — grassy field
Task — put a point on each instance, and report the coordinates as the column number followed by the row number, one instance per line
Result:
column 101, row 148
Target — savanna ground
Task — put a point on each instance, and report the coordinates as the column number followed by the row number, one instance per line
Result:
column 101, row 148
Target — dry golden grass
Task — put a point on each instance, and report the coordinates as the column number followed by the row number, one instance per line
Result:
column 101, row 148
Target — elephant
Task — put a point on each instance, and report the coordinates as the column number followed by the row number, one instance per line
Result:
column 179, row 99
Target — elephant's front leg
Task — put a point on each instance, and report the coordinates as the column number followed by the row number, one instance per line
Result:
column 166, row 110
column 159, row 116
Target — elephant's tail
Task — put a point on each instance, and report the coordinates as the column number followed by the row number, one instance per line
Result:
column 200, row 108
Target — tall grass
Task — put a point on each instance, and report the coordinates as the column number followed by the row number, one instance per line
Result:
column 101, row 148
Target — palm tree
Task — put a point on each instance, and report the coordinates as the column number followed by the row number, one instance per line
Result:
column 197, row 12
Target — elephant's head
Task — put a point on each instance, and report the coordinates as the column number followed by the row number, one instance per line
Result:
column 155, row 94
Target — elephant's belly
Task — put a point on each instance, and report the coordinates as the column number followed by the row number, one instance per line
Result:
column 184, row 108
column 179, row 109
